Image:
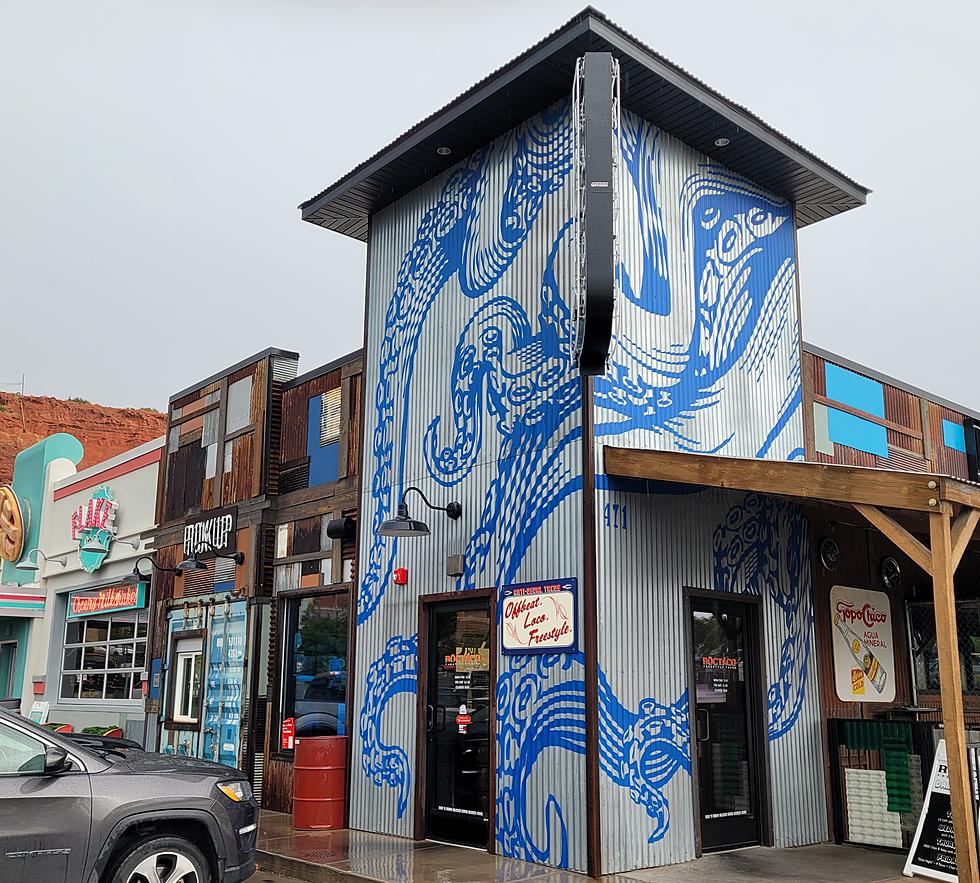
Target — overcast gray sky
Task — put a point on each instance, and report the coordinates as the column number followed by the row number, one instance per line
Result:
column 152, row 156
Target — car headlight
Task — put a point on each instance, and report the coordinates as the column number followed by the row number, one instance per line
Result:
column 236, row 791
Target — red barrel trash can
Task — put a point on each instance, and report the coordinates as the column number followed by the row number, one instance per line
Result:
column 319, row 782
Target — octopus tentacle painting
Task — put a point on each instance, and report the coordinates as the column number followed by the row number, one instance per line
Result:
column 762, row 549
column 471, row 235
column 708, row 306
column 707, row 302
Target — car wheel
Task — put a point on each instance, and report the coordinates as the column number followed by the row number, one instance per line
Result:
column 163, row 860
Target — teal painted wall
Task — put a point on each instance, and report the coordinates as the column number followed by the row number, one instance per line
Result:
column 14, row 629
column 30, row 466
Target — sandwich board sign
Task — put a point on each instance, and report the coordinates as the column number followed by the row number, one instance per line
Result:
column 933, row 852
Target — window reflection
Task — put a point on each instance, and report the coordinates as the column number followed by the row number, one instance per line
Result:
column 315, row 673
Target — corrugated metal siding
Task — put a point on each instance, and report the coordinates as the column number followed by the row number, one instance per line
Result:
column 427, row 297
column 948, row 461
column 672, row 542
column 706, row 362
column 708, row 355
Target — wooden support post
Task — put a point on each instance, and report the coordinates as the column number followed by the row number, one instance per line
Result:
column 947, row 645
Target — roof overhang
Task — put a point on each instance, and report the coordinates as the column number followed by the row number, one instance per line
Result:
column 816, row 482
column 651, row 86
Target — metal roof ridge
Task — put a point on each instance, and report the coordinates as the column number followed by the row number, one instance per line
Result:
column 595, row 21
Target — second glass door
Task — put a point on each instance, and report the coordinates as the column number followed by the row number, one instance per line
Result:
column 458, row 722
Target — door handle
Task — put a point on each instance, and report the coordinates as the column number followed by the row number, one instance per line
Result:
column 430, row 718
column 442, row 720
column 703, row 725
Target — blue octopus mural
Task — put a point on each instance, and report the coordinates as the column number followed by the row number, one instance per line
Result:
column 453, row 241
column 763, row 549
column 722, row 307
column 515, row 399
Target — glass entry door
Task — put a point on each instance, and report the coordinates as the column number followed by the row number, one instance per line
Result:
column 458, row 722
column 725, row 673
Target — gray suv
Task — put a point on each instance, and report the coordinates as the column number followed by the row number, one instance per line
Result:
column 71, row 814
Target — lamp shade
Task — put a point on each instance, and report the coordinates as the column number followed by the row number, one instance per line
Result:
column 192, row 563
column 92, row 544
column 28, row 565
column 134, row 578
column 402, row 525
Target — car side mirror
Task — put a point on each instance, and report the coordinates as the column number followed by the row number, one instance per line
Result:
column 56, row 761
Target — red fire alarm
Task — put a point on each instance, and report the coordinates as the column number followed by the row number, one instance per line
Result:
column 400, row 576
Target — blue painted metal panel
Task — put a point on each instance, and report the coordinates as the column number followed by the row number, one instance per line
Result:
column 856, row 432
column 324, row 461
column 852, row 389
column 954, row 436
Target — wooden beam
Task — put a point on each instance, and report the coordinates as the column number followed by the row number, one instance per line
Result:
column 962, row 533
column 963, row 492
column 951, row 689
column 871, row 418
column 898, row 535
column 816, row 481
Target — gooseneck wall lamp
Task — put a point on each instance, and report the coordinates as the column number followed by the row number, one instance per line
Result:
column 195, row 562
column 29, row 563
column 137, row 576
column 92, row 544
column 403, row 525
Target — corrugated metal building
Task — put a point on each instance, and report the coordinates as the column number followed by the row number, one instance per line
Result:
column 676, row 709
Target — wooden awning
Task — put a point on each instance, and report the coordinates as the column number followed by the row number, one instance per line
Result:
column 911, row 491
column 948, row 508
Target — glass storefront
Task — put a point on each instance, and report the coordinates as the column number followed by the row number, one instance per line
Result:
column 314, row 688
column 104, row 657
column 202, row 713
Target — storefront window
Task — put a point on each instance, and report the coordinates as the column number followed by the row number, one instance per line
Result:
column 187, row 690
column 315, row 671
column 925, row 658
column 104, row 656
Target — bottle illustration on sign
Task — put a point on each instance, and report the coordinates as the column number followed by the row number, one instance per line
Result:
column 870, row 667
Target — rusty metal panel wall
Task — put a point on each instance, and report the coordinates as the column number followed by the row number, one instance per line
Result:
column 471, row 394
column 707, row 356
column 650, row 548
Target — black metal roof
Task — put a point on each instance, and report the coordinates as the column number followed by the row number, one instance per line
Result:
column 267, row 353
column 651, row 86
column 320, row 370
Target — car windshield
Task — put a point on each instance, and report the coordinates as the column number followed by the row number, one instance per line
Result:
column 67, row 744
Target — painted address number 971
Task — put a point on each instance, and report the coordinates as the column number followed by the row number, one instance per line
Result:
column 614, row 515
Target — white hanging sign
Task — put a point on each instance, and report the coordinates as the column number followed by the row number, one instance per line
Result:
column 864, row 648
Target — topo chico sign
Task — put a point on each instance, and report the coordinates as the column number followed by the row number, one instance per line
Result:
column 864, row 650
column 539, row 617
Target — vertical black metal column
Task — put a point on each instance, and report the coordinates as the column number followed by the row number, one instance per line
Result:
column 597, row 181
column 596, row 206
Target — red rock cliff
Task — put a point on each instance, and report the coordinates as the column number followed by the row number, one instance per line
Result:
column 104, row 432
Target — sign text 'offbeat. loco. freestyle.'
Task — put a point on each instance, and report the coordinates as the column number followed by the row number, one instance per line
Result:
column 539, row 617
